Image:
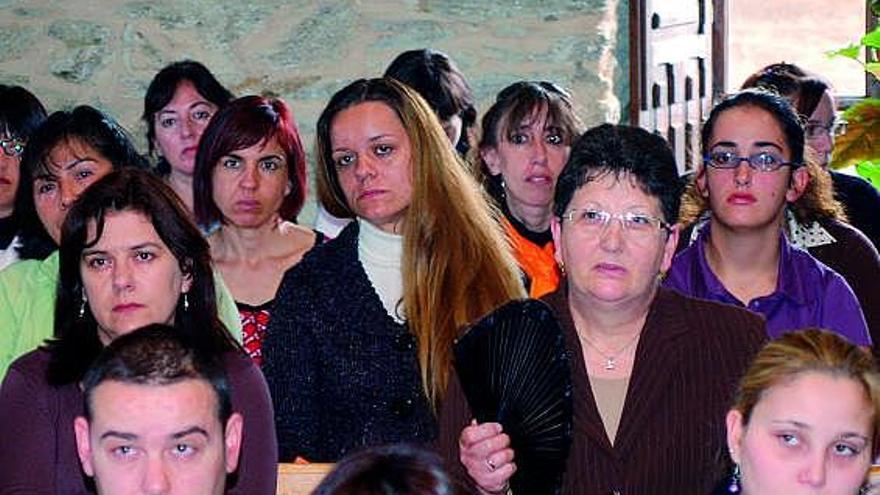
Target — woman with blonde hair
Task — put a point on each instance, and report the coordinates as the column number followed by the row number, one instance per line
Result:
column 359, row 347
column 783, row 433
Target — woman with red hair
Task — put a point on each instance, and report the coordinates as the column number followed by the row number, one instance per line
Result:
column 249, row 185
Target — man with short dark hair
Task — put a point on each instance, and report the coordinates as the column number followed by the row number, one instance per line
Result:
column 157, row 418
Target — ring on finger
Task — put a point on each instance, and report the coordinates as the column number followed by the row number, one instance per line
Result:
column 491, row 465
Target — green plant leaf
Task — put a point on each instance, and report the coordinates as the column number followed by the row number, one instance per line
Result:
column 872, row 39
column 870, row 171
column 873, row 68
column 860, row 142
column 851, row 51
column 875, row 7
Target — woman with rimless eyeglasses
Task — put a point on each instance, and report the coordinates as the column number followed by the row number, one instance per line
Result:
column 753, row 169
column 653, row 371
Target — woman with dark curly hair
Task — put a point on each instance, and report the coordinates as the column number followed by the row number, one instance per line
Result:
column 753, row 171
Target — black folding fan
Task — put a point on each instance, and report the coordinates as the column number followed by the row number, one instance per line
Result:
column 514, row 370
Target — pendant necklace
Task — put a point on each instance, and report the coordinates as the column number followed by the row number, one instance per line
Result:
column 611, row 357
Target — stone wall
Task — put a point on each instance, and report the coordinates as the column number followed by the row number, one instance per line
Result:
column 105, row 52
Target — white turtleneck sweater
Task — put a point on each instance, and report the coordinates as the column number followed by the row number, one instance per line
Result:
column 381, row 255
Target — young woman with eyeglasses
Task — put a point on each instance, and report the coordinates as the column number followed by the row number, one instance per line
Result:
column 753, row 169
column 830, row 218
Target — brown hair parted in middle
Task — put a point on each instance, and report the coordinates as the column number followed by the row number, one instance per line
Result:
column 76, row 343
column 457, row 265
column 513, row 105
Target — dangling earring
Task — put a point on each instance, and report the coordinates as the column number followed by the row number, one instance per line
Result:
column 562, row 268
column 185, row 302
column 735, row 480
column 82, row 306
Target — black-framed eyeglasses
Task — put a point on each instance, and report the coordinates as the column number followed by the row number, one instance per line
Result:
column 763, row 161
column 12, row 146
column 637, row 225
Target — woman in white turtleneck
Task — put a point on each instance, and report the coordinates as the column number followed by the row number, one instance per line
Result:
column 380, row 253
column 359, row 347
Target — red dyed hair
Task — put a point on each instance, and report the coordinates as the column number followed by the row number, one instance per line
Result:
column 245, row 122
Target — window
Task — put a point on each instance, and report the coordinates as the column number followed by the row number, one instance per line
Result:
column 761, row 32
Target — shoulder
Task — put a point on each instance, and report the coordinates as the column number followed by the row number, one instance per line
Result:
column 709, row 321
column 242, row 373
column 812, row 273
column 23, row 272
column 850, row 240
column 25, row 379
column 331, row 259
column 854, row 186
column 32, row 364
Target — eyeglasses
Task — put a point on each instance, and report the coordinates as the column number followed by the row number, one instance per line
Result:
column 763, row 161
column 12, row 146
column 814, row 130
column 636, row 225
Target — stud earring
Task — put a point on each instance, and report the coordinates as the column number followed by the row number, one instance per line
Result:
column 562, row 267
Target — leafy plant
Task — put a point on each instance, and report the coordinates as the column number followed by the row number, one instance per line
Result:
column 860, row 145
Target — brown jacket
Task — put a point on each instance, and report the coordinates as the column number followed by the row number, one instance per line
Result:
column 671, row 438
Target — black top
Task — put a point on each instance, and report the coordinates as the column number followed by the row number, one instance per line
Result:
column 8, row 230
column 342, row 373
column 862, row 203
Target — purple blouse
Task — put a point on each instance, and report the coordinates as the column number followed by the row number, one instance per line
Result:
column 808, row 293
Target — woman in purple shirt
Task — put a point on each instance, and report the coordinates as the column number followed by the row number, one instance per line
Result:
column 752, row 170
column 129, row 256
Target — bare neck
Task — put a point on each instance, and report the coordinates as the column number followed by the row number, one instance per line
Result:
column 754, row 251
column 231, row 243
column 182, row 185
column 609, row 322
column 535, row 218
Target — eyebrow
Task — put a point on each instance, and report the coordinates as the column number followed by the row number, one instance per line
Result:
column 77, row 162
column 262, row 157
column 791, row 422
column 192, row 430
column 760, row 144
column 193, row 105
column 88, row 252
column 118, row 434
column 380, row 136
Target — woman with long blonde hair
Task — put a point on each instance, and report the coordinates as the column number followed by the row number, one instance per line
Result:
column 359, row 347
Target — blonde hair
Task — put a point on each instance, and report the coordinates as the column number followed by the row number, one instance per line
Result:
column 810, row 350
column 457, row 263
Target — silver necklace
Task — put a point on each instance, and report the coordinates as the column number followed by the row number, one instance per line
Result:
column 611, row 357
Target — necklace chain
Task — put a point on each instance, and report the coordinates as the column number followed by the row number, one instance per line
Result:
column 611, row 357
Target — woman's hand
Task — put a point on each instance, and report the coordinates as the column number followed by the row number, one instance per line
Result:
column 485, row 452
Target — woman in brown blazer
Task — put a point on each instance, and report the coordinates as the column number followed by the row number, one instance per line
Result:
column 653, row 372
